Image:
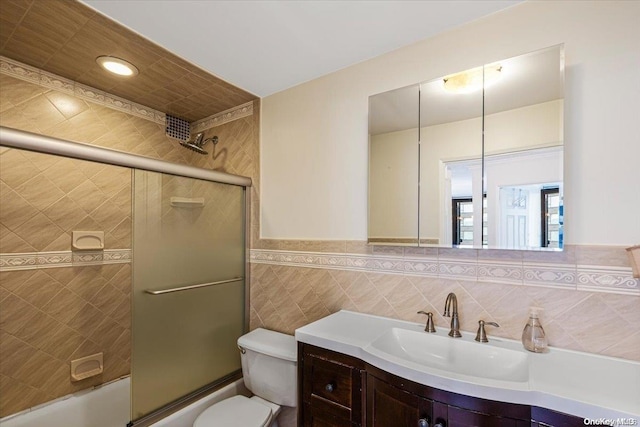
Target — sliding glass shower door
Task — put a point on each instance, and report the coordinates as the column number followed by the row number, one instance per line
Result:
column 188, row 285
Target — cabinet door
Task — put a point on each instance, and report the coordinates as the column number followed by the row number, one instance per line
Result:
column 315, row 417
column 459, row 417
column 389, row 406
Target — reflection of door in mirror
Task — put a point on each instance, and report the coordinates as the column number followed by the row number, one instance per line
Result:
column 523, row 151
column 523, row 182
column 393, row 167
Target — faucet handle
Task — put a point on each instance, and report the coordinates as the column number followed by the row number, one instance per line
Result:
column 430, row 326
column 481, row 335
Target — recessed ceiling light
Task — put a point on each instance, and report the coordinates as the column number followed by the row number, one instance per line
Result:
column 117, row 66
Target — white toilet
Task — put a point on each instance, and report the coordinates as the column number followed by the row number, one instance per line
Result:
column 269, row 368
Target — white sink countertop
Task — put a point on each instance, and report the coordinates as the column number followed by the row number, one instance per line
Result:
column 580, row 384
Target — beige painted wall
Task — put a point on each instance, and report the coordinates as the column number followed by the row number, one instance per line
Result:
column 314, row 136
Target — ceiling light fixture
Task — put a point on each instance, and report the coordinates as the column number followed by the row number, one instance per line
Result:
column 472, row 80
column 117, row 66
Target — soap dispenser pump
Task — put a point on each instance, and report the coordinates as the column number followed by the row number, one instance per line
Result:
column 533, row 337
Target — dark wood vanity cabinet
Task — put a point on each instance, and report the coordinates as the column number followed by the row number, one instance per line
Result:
column 341, row 391
column 390, row 397
column 390, row 406
column 331, row 388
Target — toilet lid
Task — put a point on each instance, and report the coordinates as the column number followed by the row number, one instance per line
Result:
column 237, row 411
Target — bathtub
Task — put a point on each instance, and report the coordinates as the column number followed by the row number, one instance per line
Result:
column 104, row 406
column 108, row 406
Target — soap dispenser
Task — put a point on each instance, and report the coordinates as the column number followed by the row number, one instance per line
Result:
column 533, row 337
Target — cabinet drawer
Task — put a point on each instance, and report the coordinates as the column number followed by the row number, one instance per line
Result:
column 329, row 380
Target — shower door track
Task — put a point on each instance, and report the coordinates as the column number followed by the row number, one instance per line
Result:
column 45, row 144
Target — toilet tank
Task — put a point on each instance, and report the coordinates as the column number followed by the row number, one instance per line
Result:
column 269, row 365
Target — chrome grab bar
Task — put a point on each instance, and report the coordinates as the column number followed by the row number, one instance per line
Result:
column 187, row 288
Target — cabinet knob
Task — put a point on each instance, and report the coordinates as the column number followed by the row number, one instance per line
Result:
column 440, row 424
column 423, row 422
column 330, row 387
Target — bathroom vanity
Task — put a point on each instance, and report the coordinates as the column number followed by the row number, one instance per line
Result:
column 351, row 375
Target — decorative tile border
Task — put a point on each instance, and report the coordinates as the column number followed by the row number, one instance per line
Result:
column 500, row 272
column 226, row 116
column 557, row 275
column 565, row 276
column 594, row 278
column 35, row 260
column 34, row 75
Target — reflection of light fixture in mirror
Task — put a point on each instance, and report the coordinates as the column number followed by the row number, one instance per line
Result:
column 117, row 66
column 471, row 80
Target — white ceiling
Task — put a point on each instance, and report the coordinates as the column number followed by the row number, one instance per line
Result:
column 268, row 46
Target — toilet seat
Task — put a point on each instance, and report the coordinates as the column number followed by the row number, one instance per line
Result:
column 236, row 411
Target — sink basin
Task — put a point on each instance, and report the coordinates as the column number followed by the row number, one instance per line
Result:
column 456, row 356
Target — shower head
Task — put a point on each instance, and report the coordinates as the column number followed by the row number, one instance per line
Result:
column 198, row 142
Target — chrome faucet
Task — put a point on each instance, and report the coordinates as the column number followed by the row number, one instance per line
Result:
column 451, row 310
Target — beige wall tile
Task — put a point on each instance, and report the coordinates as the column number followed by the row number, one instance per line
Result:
column 15, row 118
column 15, row 313
column 87, row 195
column 38, row 329
column 69, row 106
column 10, row 242
column 64, row 306
column 39, row 231
column 16, row 168
column 596, row 323
column 65, row 174
column 38, row 289
column 40, row 192
column 87, row 320
column 17, row 396
column 62, row 343
column 41, row 111
column 604, row 256
column 13, row 353
column 65, row 213
column 15, row 91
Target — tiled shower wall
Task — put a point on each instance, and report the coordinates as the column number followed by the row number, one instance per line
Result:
column 49, row 316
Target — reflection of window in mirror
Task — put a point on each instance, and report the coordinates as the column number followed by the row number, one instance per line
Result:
column 462, row 221
column 550, row 218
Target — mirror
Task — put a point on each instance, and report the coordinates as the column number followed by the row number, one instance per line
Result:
column 486, row 170
column 393, row 166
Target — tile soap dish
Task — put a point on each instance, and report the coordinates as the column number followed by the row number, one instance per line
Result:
column 87, row 367
column 87, row 240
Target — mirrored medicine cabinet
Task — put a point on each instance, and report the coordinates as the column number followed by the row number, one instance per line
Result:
column 471, row 160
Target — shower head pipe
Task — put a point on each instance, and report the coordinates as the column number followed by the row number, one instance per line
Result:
column 198, row 142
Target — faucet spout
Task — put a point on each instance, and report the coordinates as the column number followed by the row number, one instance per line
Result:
column 451, row 310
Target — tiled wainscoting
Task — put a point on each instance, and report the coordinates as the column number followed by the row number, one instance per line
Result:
column 589, row 296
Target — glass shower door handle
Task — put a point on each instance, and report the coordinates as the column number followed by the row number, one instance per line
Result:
column 186, row 288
